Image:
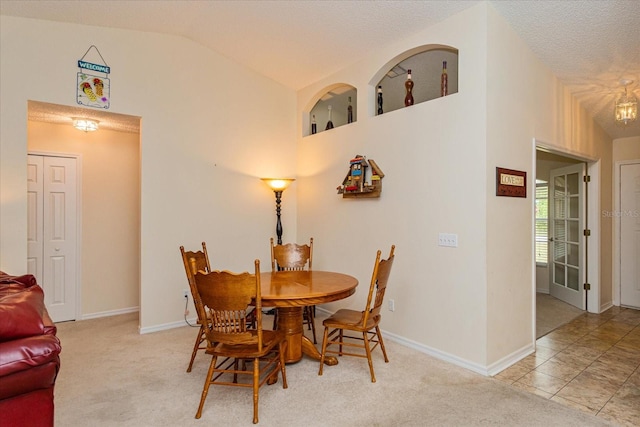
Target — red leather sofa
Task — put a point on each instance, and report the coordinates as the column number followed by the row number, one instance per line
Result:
column 29, row 354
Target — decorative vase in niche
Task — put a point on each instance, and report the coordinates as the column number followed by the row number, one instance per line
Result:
column 314, row 128
column 329, row 122
column 349, row 112
column 408, row 99
column 444, row 80
column 379, row 99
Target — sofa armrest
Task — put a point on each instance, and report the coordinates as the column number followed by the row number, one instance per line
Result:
column 25, row 353
column 21, row 312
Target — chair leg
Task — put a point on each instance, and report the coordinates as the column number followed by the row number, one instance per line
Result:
column 275, row 320
column 384, row 350
column 324, row 348
column 235, row 369
column 207, row 383
column 256, row 388
column 199, row 340
column 367, row 348
column 312, row 322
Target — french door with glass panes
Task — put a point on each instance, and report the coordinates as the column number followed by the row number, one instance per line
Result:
column 566, row 230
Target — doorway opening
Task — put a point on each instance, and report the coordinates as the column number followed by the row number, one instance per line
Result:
column 565, row 259
column 107, row 275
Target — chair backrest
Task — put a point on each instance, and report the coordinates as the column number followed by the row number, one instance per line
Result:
column 225, row 297
column 379, row 280
column 195, row 261
column 291, row 256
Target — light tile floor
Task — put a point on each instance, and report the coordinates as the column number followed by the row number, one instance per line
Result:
column 591, row 363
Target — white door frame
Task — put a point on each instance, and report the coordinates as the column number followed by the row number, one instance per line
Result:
column 616, row 228
column 593, row 218
column 78, row 158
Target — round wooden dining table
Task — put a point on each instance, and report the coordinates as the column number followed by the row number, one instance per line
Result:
column 290, row 291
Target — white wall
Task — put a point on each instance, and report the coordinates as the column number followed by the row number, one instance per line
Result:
column 434, row 167
column 472, row 305
column 210, row 129
column 626, row 149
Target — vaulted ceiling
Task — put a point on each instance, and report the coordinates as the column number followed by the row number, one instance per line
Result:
column 589, row 45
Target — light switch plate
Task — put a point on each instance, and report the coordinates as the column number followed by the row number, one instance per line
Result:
column 448, row 239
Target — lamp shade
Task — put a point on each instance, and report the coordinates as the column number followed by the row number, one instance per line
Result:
column 278, row 184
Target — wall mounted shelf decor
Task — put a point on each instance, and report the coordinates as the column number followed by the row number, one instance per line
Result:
column 361, row 182
column 511, row 183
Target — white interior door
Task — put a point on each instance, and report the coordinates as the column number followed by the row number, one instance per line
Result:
column 51, row 230
column 35, row 212
column 630, row 235
column 566, row 242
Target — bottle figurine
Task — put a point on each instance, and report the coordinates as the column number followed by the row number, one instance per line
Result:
column 329, row 122
column 379, row 99
column 314, row 128
column 408, row 99
column 444, row 80
column 349, row 112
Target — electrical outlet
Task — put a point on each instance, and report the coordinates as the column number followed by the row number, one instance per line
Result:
column 392, row 305
column 185, row 293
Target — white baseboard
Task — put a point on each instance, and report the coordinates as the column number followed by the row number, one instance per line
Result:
column 605, row 307
column 165, row 326
column 156, row 328
column 511, row 359
column 109, row 313
column 487, row 371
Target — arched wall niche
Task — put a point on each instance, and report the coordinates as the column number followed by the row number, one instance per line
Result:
column 426, row 64
column 337, row 96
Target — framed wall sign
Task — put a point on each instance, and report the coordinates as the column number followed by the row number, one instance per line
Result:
column 92, row 85
column 511, row 183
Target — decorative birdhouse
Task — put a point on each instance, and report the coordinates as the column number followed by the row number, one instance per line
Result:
column 360, row 182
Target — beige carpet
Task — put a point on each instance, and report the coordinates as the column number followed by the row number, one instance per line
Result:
column 112, row 376
column 551, row 313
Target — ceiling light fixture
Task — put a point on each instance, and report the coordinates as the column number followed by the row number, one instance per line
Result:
column 626, row 109
column 87, row 125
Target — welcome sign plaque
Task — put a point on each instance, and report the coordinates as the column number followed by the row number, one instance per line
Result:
column 92, row 84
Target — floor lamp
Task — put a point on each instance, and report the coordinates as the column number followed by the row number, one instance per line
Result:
column 278, row 185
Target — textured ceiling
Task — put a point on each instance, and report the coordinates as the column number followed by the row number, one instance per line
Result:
column 589, row 45
column 63, row 115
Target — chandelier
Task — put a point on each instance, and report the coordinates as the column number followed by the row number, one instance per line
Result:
column 626, row 109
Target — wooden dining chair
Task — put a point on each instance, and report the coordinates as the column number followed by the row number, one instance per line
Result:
column 225, row 296
column 292, row 256
column 195, row 261
column 364, row 322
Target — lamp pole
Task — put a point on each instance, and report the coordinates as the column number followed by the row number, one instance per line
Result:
column 278, row 222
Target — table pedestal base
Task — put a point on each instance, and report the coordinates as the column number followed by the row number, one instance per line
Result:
column 290, row 321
